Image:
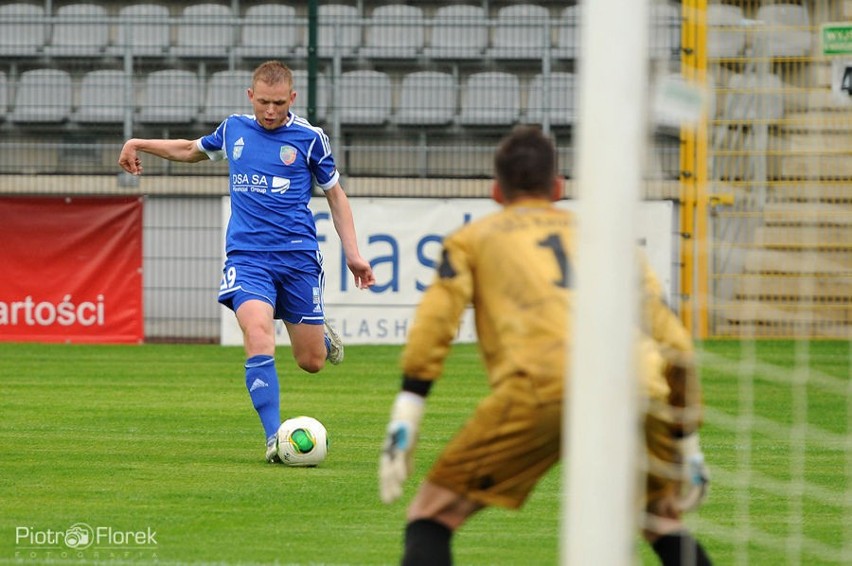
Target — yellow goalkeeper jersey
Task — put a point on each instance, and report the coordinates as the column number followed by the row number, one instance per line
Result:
column 515, row 268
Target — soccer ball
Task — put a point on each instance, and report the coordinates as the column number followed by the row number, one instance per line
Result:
column 302, row 441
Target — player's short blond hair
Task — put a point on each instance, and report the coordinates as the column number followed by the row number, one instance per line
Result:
column 272, row 73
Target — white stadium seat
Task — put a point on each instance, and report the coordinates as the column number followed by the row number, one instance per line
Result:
column 725, row 36
column 42, row 96
column 551, row 97
column 427, row 98
column 339, row 30
column 226, row 94
column 458, row 31
column 490, row 98
column 300, row 84
column 269, row 31
column 521, row 32
column 143, row 29
column 170, row 96
column 205, row 30
column 363, row 97
column 394, row 31
column 103, row 97
column 80, row 30
column 23, row 29
column 784, row 29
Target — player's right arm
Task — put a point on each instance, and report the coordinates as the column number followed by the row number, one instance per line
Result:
column 185, row 151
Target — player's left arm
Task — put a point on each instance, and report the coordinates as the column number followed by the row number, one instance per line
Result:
column 344, row 224
column 435, row 324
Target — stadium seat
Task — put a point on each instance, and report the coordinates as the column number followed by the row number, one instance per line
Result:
column 725, row 36
column 363, row 97
column 21, row 32
column 169, row 96
column 4, row 95
column 269, row 31
column 522, row 31
column 752, row 98
column 103, row 97
column 144, row 28
column 300, row 106
column 205, row 30
column 42, row 96
column 551, row 97
column 568, row 35
column 490, row 98
column 338, row 29
column 664, row 38
column 80, row 30
column 394, row 31
column 225, row 95
column 784, row 29
column 458, row 31
column 427, row 98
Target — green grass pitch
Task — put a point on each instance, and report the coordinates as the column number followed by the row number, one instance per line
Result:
column 160, row 442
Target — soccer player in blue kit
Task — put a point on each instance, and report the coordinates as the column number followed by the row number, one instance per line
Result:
column 273, row 267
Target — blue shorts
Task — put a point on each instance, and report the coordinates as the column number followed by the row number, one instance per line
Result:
column 292, row 282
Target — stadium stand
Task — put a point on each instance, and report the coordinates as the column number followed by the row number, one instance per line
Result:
column 363, row 98
column 170, row 96
column 4, row 95
column 339, row 30
column 490, row 98
column 269, row 31
column 752, row 97
column 427, row 98
column 458, row 31
column 103, row 97
column 21, row 32
column 551, row 98
column 664, row 38
column 143, row 29
column 42, row 96
column 205, row 30
column 394, row 31
column 725, row 37
column 225, row 95
column 785, row 30
column 300, row 106
column 80, row 30
column 568, row 34
column 521, row 31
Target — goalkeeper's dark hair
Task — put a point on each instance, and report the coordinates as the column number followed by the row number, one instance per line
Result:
column 525, row 162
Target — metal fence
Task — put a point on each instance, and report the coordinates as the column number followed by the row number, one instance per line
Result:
column 778, row 172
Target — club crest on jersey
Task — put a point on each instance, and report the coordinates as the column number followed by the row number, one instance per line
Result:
column 238, row 148
column 287, row 154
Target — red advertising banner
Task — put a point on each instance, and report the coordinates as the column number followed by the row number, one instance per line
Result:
column 71, row 269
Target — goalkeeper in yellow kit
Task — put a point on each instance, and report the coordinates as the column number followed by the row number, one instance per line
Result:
column 514, row 267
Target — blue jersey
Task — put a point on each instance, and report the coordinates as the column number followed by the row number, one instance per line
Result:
column 272, row 176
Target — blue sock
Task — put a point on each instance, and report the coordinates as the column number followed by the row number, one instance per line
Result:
column 262, row 385
column 327, row 346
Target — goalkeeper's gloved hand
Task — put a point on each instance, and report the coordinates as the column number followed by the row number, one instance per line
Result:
column 397, row 460
column 695, row 471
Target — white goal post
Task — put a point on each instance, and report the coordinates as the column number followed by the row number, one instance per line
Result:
column 599, row 519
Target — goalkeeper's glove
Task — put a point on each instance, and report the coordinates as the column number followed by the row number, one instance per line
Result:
column 696, row 474
column 397, row 460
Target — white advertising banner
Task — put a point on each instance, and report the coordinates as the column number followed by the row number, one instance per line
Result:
column 402, row 240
